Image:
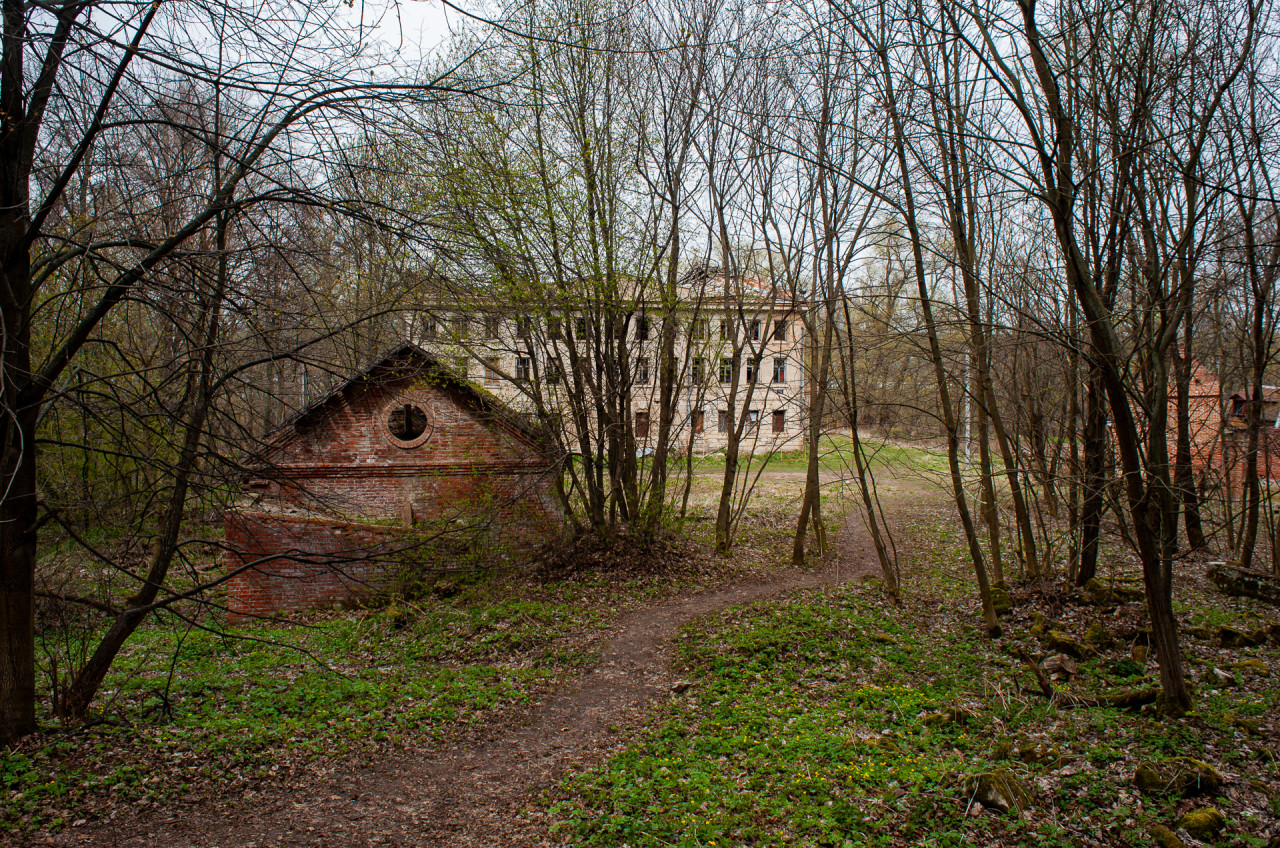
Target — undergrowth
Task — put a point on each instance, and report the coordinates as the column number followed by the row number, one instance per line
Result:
column 830, row 718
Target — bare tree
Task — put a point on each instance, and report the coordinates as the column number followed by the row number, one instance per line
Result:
column 67, row 121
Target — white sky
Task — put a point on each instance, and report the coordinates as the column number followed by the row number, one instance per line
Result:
column 411, row 28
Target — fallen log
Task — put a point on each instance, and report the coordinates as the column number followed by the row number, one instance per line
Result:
column 1235, row 580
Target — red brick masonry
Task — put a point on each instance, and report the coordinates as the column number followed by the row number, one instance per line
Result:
column 343, row 506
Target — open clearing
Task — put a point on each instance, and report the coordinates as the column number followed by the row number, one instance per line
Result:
column 701, row 703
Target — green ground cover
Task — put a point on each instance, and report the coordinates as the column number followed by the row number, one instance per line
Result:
column 836, row 454
column 188, row 710
column 829, row 718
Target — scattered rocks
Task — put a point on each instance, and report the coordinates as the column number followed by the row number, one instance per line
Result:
column 1235, row 580
column 998, row 790
column 1166, row 838
column 1098, row 636
column 1064, row 644
column 1037, row 752
column 1218, row 677
column 1252, row 666
column 1203, row 823
column 1032, row 751
column 1178, row 776
column 1248, row 725
column 1102, row 593
column 1096, row 590
column 1060, row 667
column 951, row 715
column 1233, row 637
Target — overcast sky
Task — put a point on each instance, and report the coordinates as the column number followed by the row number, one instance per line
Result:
column 412, row 28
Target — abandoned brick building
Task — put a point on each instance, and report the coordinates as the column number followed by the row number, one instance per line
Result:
column 403, row 468
column 1236, row 433
column 1219, row 430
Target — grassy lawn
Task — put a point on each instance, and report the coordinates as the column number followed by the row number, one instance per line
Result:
column 831, row 719
column 836, row 454
column 191, row 713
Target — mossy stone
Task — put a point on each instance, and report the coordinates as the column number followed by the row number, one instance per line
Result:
column 1248, row 725
column 1098, row 636
column 1064, row 644
column 1178, row 776
column 1001, row 600
column 1139, row 654
column 951, row 715
column 1203, row 823
column 1038, row 752
column 998, row 790
column 1166, row 838
column 1234, row 637
column 1252, row 666
column 1097, row 590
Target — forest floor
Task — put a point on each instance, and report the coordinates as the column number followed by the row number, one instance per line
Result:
column 702, row 702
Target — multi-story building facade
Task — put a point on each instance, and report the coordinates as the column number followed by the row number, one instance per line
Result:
column 740, row 361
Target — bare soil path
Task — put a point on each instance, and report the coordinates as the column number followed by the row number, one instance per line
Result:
column 471, row 793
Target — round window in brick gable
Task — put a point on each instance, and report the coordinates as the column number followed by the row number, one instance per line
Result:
column 407, row 424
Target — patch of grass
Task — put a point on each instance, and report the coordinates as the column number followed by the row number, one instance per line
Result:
column 832, row 719
column 192, row 711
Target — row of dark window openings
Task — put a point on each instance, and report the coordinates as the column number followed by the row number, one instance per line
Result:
column 697, row 370
column 525, row 325
column 724, row 421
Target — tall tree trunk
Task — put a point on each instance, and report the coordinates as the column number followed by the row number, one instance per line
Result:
column 866, row 484
column 811, row 506
column 1148, row 500
column 18, row 510
column 935, row 355
column 1183, row 472
column 1095, row 476
column 668, row 381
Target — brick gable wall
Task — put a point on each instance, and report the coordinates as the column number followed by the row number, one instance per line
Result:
column 343, row 507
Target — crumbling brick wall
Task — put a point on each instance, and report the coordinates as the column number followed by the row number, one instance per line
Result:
column 286, row 563
column 343, row 506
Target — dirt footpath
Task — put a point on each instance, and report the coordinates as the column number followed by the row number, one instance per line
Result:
column 471, row 793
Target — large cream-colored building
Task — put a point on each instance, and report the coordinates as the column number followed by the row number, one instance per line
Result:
column 517, row 356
